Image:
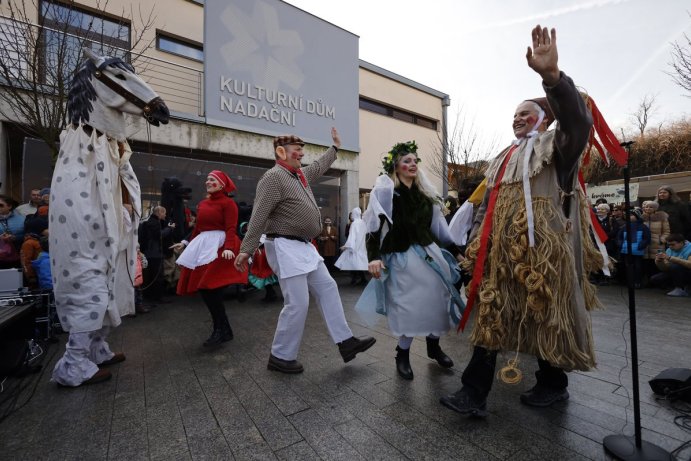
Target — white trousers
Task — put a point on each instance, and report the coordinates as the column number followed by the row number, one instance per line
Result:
column 83, row 352
column 291, row 321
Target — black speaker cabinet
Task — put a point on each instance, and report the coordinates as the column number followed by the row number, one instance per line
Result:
column 674, row 383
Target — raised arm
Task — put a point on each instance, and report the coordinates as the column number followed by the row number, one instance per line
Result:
column 317, row 169
column 573, row 117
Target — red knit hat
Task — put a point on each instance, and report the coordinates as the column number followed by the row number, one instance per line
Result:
column 224, row 180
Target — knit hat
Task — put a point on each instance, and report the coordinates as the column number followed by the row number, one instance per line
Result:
column 286, row 140
column 544, row 105
column 224, row 180
column 638, row 213
column 45, row 191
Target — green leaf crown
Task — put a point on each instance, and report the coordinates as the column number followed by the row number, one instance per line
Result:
column 402, row 148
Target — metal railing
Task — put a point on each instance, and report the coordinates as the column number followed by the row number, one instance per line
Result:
column 180, row 86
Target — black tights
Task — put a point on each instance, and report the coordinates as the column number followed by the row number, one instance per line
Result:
column 214, row 302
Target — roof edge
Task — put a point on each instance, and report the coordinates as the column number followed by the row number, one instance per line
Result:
column 399, row 78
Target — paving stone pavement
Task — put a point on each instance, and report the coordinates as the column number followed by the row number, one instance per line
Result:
column 173, row 400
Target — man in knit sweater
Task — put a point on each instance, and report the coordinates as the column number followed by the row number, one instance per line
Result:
column 286, row 211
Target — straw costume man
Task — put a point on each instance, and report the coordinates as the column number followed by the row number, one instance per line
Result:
column 530, row 252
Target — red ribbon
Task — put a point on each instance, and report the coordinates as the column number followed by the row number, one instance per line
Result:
column 597, row 227
column 484, row 237
column 296, row 171
column 609, row 141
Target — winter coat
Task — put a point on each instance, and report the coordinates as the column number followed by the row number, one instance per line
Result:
column 678, row 216
column 658, row 224
column 30, row 250
column 42, row 267
column 641, row 239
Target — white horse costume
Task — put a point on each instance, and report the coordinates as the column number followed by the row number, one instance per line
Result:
column 93, row 242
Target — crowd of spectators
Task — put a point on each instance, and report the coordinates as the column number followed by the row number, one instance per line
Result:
column 24, row 238
column 660, row 248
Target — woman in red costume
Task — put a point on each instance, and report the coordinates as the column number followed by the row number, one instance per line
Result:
column 207, row 259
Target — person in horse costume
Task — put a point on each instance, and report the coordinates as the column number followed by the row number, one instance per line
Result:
column 93, row 234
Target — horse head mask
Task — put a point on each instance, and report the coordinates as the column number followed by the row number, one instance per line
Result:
column 104, row 89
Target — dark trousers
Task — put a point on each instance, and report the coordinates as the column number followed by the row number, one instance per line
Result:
column 214, row 302
column 636, row 268
column 138, row 296
column 678, row 275
column 478, row 375
column 358, row 276
column 154, row 280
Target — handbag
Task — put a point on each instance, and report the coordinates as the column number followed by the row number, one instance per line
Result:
column 8, row 252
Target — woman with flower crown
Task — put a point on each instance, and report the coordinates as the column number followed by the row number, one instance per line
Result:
column 412, row 276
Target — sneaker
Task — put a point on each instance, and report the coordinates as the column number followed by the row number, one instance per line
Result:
column 284, row 366
column 678, row 293
column 353, row 346
column 462, row 402
column 540, row 396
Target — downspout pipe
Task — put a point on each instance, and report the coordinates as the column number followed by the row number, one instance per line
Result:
column 445, row 103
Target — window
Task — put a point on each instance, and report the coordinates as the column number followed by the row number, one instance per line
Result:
column 179, row 47
column 384, row 109
column 374, row 107
column 69, row 28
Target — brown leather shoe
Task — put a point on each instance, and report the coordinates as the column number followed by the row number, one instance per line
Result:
column 99, row 377
column 284, row 366
column 117, row 358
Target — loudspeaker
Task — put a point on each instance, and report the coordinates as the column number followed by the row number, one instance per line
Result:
column 674, row 383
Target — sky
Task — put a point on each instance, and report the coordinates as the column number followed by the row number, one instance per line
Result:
column 474, row 50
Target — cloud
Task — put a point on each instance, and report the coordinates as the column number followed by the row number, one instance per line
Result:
column 546, row 14
column 638, row 73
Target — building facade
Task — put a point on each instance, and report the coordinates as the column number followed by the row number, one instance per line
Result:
column 388, row 108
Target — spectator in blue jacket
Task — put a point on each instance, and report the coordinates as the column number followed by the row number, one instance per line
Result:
column 42, row 266
column 675, row 265
column 640, row 239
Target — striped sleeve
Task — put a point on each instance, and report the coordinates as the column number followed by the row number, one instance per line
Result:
column 317, row 168
column 267, row 198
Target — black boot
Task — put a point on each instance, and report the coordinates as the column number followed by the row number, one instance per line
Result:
column 434, row 352
column 215, row 339
column 403, row 363
column 270, row 295
column 226, row 330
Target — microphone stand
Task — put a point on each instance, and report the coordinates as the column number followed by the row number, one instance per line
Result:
column 620, row 446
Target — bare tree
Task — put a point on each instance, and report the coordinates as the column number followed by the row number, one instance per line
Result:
column 645, row 110
column 681, row 63
column 466, row 152
column 37, row 62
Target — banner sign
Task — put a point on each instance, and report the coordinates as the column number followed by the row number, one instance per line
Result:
column 273, row 69
column 613, row 194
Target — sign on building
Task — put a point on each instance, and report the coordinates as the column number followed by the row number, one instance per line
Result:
column 613, row 194
column 274, row 69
